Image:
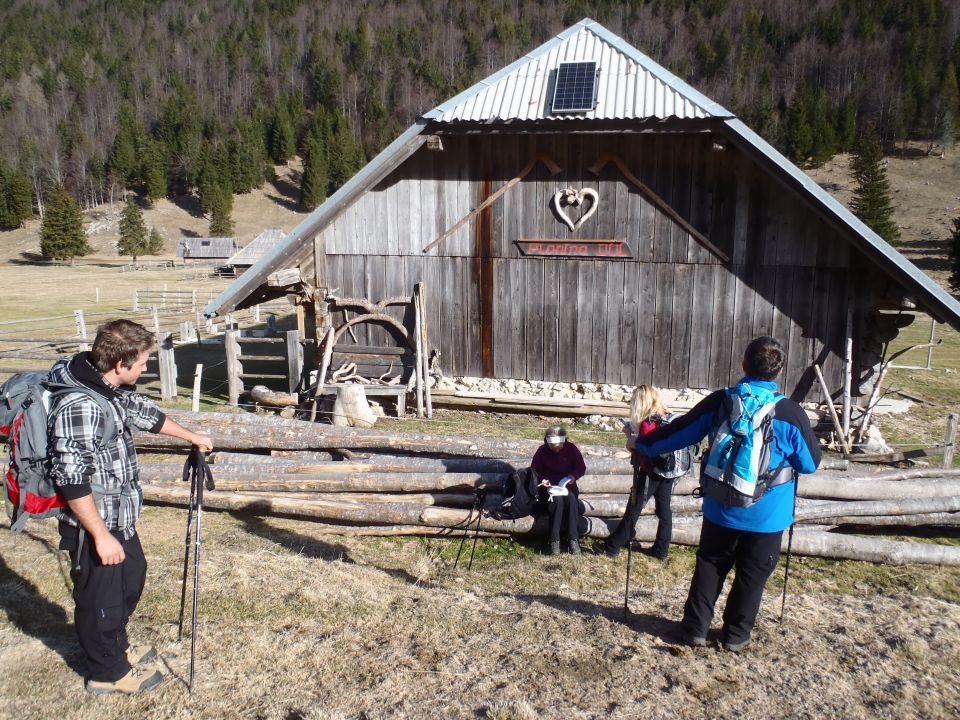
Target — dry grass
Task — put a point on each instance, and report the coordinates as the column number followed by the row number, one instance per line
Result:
column 296, row 623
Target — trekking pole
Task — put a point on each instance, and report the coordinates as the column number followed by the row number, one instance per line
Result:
column 478, row 502
column 466, row 531
column 633, row 500
column 186, row 551
column 786, row 571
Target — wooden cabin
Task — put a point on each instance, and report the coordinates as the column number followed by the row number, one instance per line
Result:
column 584, row 215
column 206, row 250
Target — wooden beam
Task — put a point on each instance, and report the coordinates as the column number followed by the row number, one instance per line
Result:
column 527, row 169
column 659, row 202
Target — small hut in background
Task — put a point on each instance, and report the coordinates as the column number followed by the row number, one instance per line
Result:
column 256, row 249
column 206, row 250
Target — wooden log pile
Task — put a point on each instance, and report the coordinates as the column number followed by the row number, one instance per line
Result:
column 378, row 482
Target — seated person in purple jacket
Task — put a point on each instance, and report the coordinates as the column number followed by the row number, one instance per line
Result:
column 559, row 464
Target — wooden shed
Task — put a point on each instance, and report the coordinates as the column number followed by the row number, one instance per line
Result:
column 585, row 215
column 208, row 250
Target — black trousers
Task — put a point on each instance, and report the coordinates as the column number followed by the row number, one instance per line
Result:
column 660, row 490
column 753, row 555
column 105, row 597
column 564, row 512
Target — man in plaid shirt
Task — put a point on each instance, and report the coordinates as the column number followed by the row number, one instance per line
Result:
column 98, row 477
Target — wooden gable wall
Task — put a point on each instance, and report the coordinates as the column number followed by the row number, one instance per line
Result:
column 674, row 315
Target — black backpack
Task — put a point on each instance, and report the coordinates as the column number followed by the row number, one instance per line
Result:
column 672, row 465
column 519, row 495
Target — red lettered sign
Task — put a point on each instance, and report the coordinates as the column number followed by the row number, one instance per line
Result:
column 587, row 249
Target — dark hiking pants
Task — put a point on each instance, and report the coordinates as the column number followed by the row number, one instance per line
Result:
column 753, row 556
column 564, row 512
column 660, row 490
column 105, row 597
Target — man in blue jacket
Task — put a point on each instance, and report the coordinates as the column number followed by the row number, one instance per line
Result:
column 745, row 538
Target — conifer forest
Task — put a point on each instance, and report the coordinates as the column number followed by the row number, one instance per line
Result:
column 166, row 98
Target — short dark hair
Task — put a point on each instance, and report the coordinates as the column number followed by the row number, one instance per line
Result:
column 764, row 357
column 119, row 341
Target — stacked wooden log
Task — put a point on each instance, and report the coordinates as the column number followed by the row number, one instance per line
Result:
column 373, row 481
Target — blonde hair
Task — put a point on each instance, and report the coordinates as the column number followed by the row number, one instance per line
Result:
column 646, row 401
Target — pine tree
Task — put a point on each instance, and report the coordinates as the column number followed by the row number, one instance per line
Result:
column 283, row 143
column 152, row 170
column 314, row 182
column 19, row 197
column 871, row 198
column 133, row 232
column 154, row 242
column 954, row 280
column 846, row 125
column 344, row 156
column 824, row 136
column 61, row 233
column 798, row 133
column 221, row 224
column 122, row 160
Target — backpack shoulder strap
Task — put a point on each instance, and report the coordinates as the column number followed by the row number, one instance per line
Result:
column 106, row 407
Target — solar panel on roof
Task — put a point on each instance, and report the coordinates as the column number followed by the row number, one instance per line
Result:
column 576, row 87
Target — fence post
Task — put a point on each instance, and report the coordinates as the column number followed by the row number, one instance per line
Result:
column 81, row 329
column 195, row 405
column 256, row 313
column 234, row 368
column 156, row 319
column 193, row 299
column 294, row 359
column 136, row 301
column 950, row 440
column 168, row 366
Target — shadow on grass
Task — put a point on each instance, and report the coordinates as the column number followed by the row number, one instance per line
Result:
column 665, row 629
column 292, row 541
column 33, row 614
column 309, row 546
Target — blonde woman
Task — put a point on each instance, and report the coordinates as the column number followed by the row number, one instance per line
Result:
column 647, row 412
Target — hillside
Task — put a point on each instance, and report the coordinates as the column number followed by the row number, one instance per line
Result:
column 926, row 192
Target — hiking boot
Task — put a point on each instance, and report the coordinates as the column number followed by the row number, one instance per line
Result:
column 137, row 654
column 137, row 680
column 737, row 646
column 605, row 548
column 554, row 548
column 650, row 552
column 692, row 640
column 574, row 547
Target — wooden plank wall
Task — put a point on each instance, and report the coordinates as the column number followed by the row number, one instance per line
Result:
column 673, row 316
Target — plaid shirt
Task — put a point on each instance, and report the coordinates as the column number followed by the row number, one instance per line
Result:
column 81, row 457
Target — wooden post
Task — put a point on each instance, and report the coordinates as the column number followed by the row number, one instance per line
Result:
column 195, row 405
column 98, row 295
column 322, row 372
column 136, row 301
column 256, row 313
column 847, row 373
column 234, row 368
column 950, row 440
column 426, row 351
column 156, row 319
column 418, row 363
column 294, row 359
column 186, row 330
column 168, row 366
column 844, row 443
column 81, row 329
column 193, row 299
column 933, row 333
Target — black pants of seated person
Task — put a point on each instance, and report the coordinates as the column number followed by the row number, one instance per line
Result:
column 564, row 512
column 660, row 490
column 753, row 557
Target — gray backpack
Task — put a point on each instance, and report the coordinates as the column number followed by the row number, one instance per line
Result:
column 25, row 403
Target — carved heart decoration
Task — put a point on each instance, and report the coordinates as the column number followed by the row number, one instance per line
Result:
column 568, row 197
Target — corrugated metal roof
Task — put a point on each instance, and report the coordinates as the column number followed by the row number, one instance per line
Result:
column 213, row 247
column 627, row 87
column 258, row 247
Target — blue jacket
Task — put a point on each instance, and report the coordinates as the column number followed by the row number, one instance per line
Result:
column 793, row 441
